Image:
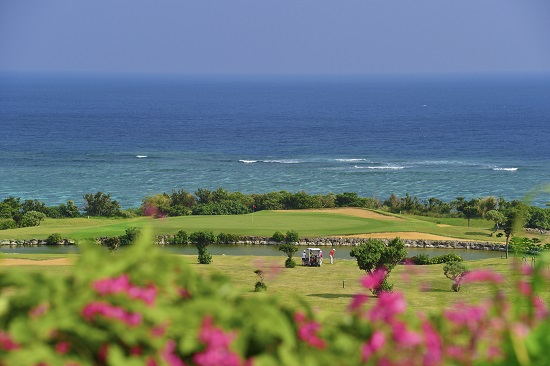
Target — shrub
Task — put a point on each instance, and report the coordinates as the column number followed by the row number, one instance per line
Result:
column 289, row 249
column 455, row 271
column 421, row 259
column 8, row 224
column 202, row 239
column 181, row 237
column 260, row 285
column 446, row 258
column 228, row 238
column 290, row 263
column 292, row 236
column 132, row 234
column 278, row 236
column 112, row 242
column 54, row 239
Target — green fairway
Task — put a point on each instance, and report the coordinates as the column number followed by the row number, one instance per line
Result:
column 264, row 223
column 328, row 288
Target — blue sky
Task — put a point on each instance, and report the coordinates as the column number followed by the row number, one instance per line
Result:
column 275, row 37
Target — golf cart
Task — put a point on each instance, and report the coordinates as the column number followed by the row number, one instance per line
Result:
column 313, row 258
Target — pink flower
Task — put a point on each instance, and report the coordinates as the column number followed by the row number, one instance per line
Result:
column 6, row 342
column 376, row 341
column 307, row 331
column 357, row 302
column 405, row 337
column 38, row 311
column 375, row 279
column 388, row 305
column 524, row 287
column 483, row 275
column 432, row 340
column 468, row 316
column 122, row 284
column 62, row 347
column 110, row 311
column 217, row 350
column 541, row 310
column 169, row 354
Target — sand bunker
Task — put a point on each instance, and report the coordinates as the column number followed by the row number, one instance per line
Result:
column 410, row 235
column 29, row 262
column 351, row 212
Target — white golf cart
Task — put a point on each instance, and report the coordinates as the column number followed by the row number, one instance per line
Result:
column 313, row 258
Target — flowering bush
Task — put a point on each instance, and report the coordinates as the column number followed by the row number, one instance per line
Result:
column 150, row 308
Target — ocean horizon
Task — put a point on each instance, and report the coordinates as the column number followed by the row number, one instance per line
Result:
column 438, row 136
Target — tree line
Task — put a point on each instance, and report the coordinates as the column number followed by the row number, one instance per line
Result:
column 17, row 213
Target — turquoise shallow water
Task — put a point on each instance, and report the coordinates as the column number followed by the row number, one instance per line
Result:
column 430, row 137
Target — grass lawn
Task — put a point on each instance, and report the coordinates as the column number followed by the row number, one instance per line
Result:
column 329, row 288
column 263, row 223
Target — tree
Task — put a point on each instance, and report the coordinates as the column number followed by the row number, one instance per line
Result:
column 374, row 255
column 31, row 218
column 455, row 271
column 260, row 285
column 202, row 239
column 497, row 217
column 54, row 239
column 132, row 234
column 292, row 236
column 100, row 204
column 513, row 223
column 289, row 249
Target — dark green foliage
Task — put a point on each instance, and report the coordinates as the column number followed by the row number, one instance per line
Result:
column 424, row 259
column 30, row 218
column 202, row 239
column 455, row 271
column 446, row 258
column 100, row 204
column 224, row 238
column 112, row 242
column 260, row 285
column 374, row 255
column 278, row 236
column 292, row 236
column 132, row 234
column 54, row 239
column 181, row 237
column 421, row 259
column 290, row 263
column 7, row 224
column 289, row 249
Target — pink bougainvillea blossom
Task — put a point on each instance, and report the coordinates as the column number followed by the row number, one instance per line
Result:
column 62, row 347
column 6, row 342
column 357, row 302
column 389, row 305
column 122, row 284
column 376, row 341
column 432, row 340
column 405, row 337
column 483, row 275
column 375, row 279
column 469, row 316
column 110, row 311
column 308, row 331
column 170, row 356
column 216, row 352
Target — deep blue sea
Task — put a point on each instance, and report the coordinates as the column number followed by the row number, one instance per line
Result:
column 437, row 136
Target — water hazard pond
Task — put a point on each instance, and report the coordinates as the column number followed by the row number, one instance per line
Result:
column 342, row 252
